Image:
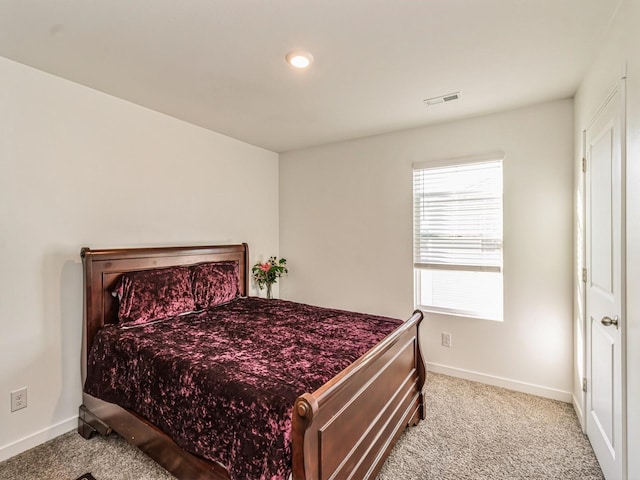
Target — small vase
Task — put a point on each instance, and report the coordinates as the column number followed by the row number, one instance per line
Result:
column 269, row 294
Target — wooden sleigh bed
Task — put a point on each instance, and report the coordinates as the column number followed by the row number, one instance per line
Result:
column 344, row 429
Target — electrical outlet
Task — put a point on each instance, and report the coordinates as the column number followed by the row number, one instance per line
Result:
column 446, row 339
column 19, row 399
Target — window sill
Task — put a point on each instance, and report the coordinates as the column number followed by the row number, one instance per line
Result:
column 454, row 313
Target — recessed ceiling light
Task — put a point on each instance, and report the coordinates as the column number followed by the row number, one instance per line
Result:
column 299, row 59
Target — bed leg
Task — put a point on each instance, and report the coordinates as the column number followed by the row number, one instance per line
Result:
column 85, row 429
column 419, row 413
column 88, row 424
column 422, row 411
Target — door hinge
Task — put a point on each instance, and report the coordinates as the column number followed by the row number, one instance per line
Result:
column 584, row 384
column 584, row 275
column 584, row 164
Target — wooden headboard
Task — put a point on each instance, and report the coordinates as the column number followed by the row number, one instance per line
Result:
column 103, row 267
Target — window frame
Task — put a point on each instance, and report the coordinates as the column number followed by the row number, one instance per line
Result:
column 418, row 266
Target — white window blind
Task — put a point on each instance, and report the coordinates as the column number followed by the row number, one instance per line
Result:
column 458, row 238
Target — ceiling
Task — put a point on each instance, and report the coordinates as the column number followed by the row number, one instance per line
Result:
column 220, row 63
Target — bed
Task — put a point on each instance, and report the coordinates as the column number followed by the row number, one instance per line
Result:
column 344, row 428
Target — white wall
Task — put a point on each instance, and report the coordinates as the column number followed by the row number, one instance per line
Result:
column 621, row 47
column 346, row 230
column 81, row 168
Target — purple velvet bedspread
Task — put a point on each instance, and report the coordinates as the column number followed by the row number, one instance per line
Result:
column 222, row 382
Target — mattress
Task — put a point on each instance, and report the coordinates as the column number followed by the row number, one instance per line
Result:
column 222, row 382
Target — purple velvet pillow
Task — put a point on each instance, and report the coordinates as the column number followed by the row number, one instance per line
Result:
column 215, row 283
column 150, row 295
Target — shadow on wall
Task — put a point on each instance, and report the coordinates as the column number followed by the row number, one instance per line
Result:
column 63, row 295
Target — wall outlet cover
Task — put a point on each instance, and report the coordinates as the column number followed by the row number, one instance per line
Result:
column 19, row 399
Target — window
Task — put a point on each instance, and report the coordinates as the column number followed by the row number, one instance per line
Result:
column 458, row 238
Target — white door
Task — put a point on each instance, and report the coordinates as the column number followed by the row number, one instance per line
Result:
column 605, row 286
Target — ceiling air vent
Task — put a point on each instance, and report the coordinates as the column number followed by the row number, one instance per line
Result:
column 450, row 97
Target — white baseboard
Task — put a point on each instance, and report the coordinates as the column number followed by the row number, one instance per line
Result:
column 516, row 385
column 35, row 439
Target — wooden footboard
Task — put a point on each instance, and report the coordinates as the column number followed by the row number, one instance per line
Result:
column 346, row 428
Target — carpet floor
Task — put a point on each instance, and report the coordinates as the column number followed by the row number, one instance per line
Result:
column 472, row 432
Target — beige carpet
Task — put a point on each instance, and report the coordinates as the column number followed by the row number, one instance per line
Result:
column 476, row 432
column 472, row 431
